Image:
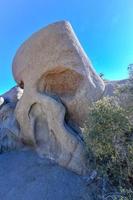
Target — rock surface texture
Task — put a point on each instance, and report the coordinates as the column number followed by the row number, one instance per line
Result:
column 111, row 86
column 52, row 61
column 59, row 83
column 24, row 176
column 9, row 127
column 47, row 110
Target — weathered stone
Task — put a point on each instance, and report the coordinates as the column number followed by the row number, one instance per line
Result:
column 1, row 101
column 24, row 176
column 119, row 90
column 13, row 95
column 111, row 86
column 52, row 61
column 56, row 75
column 9, row 128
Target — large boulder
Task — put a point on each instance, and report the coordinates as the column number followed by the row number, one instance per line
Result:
column 53, row 62
column 13, row 95
column 58, row 79
column 9, row 127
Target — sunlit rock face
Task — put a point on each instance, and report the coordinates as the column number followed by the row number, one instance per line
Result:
column 52, row 61
column 56, row 76
column 58, row 83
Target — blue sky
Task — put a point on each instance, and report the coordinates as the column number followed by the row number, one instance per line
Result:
column 104, row 28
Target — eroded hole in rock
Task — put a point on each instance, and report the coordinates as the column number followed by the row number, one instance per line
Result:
column 61, row 81
column 21, row 84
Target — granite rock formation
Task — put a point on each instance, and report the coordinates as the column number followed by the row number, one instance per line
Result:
column 9, row 128
column 57, row 78
column 57, row 83
column 52, row 62
column 25, row 176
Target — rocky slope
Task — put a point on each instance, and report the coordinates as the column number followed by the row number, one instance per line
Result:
column 25, row 176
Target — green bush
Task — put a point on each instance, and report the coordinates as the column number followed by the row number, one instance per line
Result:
column 124, row 93
column 107, row 134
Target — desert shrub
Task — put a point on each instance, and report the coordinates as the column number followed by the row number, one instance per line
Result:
column 107, row 134
column 124, row 93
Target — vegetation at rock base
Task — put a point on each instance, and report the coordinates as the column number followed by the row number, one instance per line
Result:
column 124, row 92
column 108, row 136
